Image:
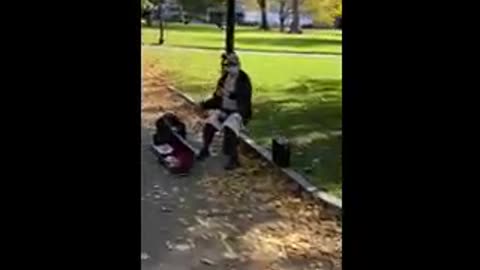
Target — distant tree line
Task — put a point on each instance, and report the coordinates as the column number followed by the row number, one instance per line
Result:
column 324, row 12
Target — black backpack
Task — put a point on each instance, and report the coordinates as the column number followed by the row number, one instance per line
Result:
column 166, row 127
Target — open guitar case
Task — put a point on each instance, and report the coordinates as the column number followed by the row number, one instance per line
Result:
column 170, row 145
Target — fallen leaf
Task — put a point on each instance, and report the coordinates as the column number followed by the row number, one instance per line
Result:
column 166, row 209
column 156, row 196
column 182, row 247
column 202, row 212
column 169, row 245
column 145, row 256
column 183, row 221
column 201, row 221
column 207, row 261
column 230, row 256
column 191, row 242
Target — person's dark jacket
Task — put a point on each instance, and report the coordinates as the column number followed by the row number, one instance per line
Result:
column 242, row 94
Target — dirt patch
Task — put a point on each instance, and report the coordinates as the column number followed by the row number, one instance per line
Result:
column 158, row 99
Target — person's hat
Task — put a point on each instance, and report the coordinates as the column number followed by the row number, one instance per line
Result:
column 232, row 59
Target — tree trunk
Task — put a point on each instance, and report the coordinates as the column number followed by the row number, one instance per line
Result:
column 149, row 20
column 161, row 25
column 282, row 16
column 295, row 25
column 282, row 25
column 161, row 40
column 263, row 9
column 147, row 15
column 264, row 25
column 230, row 34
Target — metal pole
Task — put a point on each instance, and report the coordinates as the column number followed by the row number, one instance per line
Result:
column 161, row 40
column 230, row 26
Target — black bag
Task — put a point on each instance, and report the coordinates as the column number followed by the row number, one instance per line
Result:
column 281, row 152
column 166, row 126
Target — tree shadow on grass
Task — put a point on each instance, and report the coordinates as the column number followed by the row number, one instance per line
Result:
column 310, row 115
column 259, row 50
column 290, row 42
column 196, row 28
column 187, row 28
column 277, row 44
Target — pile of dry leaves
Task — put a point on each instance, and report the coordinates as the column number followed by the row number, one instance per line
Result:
column 276, row 223
column 157, row 99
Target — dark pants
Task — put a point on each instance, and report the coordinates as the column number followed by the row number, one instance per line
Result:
column 230, row 140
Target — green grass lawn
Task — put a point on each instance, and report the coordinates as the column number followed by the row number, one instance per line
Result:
column 298, row 97
column 248, row 38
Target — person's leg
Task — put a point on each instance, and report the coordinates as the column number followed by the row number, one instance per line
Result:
column 232, row 127
column 208, row 134
column 225, row 148
column 230, row 147
column 209, row 131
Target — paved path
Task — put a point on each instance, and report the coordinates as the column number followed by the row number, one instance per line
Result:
column 179, row 234
column 208, row 50
column 168, row 204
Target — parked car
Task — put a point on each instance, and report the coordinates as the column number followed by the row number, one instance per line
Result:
column 253, row 18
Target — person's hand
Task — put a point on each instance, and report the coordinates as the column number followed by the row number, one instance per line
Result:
column 222, row 116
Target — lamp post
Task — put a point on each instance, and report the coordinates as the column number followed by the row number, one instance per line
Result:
column 161, row 40
column 229, row 41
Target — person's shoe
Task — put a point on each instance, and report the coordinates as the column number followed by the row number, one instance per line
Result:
column 204, row 154
column 232, row 164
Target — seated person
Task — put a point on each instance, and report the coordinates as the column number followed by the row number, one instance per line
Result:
column 230, row 108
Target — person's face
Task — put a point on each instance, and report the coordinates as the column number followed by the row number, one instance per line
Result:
column 233, row 69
